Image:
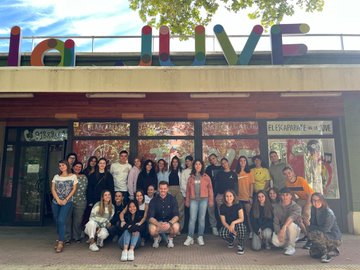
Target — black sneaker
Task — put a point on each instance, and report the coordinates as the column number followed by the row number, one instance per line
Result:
column 325, row 258
column 240, row 250
column 67, row 242
column 307, row 245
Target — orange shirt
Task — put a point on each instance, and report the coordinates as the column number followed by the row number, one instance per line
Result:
column 245, row 182
column 300, row 187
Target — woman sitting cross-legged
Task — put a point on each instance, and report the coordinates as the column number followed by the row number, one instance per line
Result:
column 261, row 218
column 232, row 220
column 130, row 239
column 99, row 221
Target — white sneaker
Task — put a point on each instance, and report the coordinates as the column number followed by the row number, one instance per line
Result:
column 215, row 231
column 93, row 247
column 189, row 241
column 130, row 255
column 289, row 251
column 100, row 242
column 200, row 241
column 170, row 243
column 124, row 256
column 156, row 242
column 251, row 234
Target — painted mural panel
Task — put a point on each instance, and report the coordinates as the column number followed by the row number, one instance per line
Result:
column 101, row 129
column 230, row 128
column 166, row 149
column 166, row 129
column 109, row 149
column 315, row 159
column 231, row 149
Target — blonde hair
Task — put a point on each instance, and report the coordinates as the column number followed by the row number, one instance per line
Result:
column 103, row 205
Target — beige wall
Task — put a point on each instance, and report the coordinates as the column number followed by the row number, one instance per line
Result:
column 181, row 79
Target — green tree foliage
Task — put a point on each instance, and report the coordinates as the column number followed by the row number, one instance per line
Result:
column 183, row 15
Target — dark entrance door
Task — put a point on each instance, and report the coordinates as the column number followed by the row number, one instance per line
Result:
column 28, row 170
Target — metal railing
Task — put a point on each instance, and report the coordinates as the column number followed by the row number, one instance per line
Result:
column 93, row 44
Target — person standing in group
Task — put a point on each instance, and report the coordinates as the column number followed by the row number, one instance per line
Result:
column 119, row 206
column 232, row 220
column 90, row 166
column 185, row 174
column 225, row 179
column 98, row 181
column 162, row 171
column 120, row 171
column 76, row 213
column 174, row 186
column 324, row 232
column 212, row 170
column 276, row 171
column 63, row 187
column 199, row 193
column 131, row 227
column 261, row 175
column 147, row 176
column 71, row 159
column 99, row 221
column 262, row 219
column 246, row 188
column 163, row 216
column 286, row 216
column 133, row 176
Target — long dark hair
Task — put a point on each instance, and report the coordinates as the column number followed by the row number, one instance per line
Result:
column 106, row 171
column 152, row 171
column 247, row 167
column 88, row 168
column 142, row 193
column 171, row 168
column 268, row 209
column 324, row 203
column 193, row 171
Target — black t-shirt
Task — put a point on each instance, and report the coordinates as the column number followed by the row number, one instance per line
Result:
column 231, row 213
column 225, row 181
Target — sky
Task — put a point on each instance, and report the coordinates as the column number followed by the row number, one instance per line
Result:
column 115, row 18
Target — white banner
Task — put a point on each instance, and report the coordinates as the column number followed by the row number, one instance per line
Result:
column 299, row 128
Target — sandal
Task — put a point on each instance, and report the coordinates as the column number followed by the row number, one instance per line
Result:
column 60, row 247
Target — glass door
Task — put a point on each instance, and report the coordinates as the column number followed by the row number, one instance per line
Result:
column 30, row 187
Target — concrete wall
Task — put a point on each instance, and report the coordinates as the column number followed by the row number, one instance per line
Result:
column 352, row 138
column 181, row 79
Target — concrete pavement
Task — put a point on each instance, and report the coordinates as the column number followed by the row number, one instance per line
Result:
column 32, row 248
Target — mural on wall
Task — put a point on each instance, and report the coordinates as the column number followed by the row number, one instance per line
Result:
column 101, row 129
column 171, row 128
column 314, row 159
column 110, row 149
column 166, row 149
column 231, row 149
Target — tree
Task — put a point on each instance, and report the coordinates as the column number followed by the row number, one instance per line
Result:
column 183, row 15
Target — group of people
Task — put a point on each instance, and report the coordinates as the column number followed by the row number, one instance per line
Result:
column 271, row 206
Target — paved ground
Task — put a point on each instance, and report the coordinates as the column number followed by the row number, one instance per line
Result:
column 32, row 248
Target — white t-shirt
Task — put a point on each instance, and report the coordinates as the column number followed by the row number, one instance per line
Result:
column 64, row 185
column 120, row 174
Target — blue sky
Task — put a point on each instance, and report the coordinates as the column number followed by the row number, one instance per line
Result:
column 113, row 17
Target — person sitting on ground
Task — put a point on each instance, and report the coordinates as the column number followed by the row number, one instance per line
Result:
column 114, row 229
column 150, row 194
column 232, row 220
column 324, row 232
column 101, row 214
column 143, row 210
column 273, row 195
column 261, row 218
column 286, row 215
column 131, row 227
column 163, row 216
column 199, row 194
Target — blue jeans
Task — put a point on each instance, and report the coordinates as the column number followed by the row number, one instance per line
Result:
column 197, row 212
column 60, row 213
column 129, row 239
